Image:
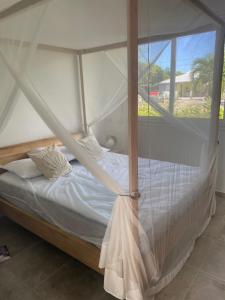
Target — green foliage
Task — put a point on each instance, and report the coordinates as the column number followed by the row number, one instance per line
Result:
column 221, row 115
column 202, row 75
column 145, row 110
column 202, row 79
column 188, row 109
column 183, row 109
column 154, row 74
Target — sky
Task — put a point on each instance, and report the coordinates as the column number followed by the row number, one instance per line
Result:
column 189, row 48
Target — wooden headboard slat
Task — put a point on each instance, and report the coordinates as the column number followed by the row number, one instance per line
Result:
column 19, row 151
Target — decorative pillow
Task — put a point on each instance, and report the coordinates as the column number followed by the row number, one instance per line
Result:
column 24, row 168
column 51, row 163
column 63, row 149
column 92, row 146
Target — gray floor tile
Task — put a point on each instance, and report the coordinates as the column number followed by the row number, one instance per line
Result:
column 215, row 261
column 220, row 206
column 36, row 263
column 13, row 289
column 73, row 281
column 206, row 288
column 8, row 228
column 201, row 251
column 39, row 271
column 216, row 228
column 18, row 242
column 178, row 288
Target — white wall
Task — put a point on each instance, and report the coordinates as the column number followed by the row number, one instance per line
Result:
column 53, row 73
column 115, row 125
column 167, row 142
column 103, row 82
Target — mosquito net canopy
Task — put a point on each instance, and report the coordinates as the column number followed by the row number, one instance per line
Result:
column 152, row 89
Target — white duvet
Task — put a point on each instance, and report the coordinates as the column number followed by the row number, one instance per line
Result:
column 162, row 185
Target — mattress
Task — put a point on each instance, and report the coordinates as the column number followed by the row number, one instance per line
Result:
column 81, row 205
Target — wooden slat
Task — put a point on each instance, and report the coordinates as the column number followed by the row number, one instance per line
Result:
column 77, row 248
column 20, row 151
column 132, row 52
column 56, row 48
column 173, row 75
column 39, row 46
column 144, row 40
column 216, row 91
column 82, row 94
column 103, row 48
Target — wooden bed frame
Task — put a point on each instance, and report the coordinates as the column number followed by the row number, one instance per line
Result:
column 72, row 245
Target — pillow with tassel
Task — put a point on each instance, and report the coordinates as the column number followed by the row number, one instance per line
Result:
column 51, row 163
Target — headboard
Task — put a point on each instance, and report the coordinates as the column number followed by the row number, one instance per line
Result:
column 19, row 151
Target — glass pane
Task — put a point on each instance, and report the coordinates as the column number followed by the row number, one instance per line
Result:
column 194, row 75
column 154, row 77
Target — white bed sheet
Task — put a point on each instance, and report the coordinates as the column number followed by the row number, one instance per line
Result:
column 79, row 195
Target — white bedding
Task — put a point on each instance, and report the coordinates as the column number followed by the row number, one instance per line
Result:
column 80, row 195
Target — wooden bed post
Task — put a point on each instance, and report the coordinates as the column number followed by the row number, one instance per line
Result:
column 216, row 93
column 82, row 95
column 173, row 75
column 132, row 48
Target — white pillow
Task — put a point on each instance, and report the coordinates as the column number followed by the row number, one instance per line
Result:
column 24, row 168
column 89, row 142
column 63, row 149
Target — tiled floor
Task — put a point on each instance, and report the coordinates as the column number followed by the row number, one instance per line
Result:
column 203, row 277
column 39, row 271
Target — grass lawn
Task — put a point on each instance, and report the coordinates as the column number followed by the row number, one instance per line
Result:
column 182, row 109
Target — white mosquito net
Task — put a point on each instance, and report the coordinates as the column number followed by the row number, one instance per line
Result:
column 146, row 241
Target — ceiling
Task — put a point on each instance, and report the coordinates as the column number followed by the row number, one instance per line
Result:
column 82, row 24
column 217, row 6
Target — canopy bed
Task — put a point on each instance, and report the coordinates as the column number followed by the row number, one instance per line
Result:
column 132, row 213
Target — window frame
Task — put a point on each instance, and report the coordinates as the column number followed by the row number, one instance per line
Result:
column 172, row 90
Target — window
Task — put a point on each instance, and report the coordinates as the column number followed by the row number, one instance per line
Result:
column 154, row 77
column 178, row 77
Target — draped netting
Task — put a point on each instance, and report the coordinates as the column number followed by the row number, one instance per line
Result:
column 19, row 44
column 176, row 166
column 144, row 242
